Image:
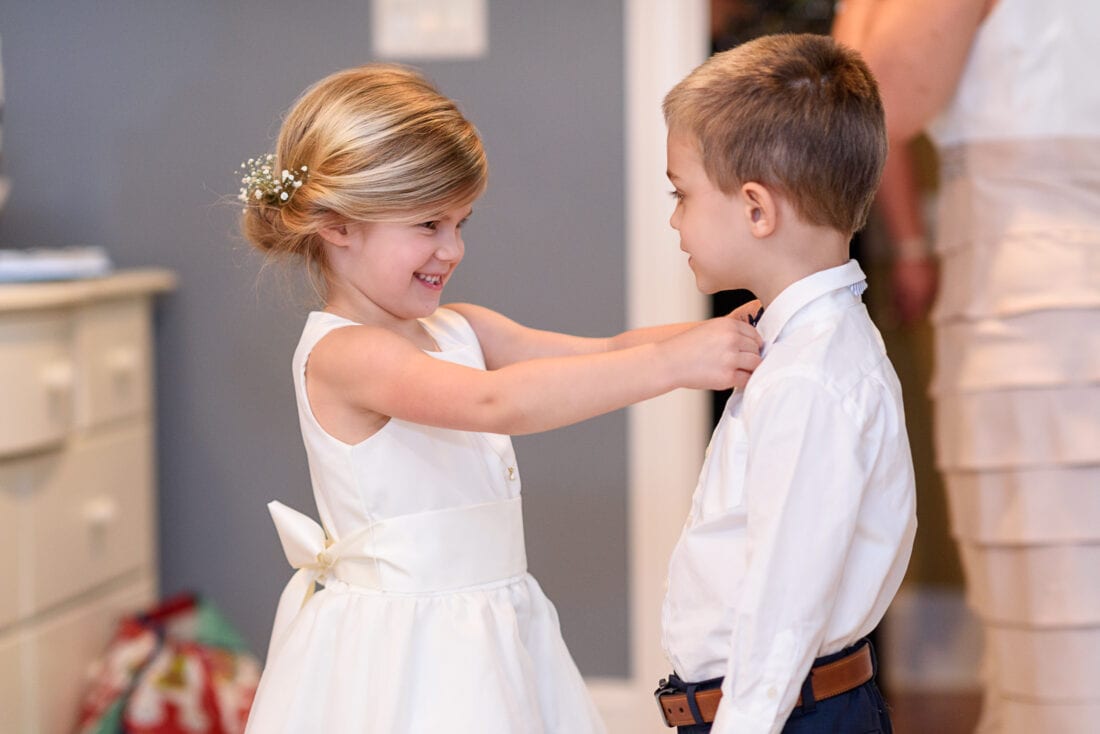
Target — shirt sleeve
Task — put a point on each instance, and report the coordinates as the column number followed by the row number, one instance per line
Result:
column 806, row 472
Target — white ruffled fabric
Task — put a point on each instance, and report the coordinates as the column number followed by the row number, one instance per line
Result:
column 1017, row 383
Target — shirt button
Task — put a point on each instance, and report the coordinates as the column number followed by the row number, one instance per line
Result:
column 772, row 693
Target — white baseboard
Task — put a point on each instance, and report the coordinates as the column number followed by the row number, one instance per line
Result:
column 930, row 641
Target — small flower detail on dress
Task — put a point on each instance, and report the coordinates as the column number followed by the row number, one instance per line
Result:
column 325, row 561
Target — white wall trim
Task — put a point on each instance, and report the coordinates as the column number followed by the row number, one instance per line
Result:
column 624, row 708
column 664, row 40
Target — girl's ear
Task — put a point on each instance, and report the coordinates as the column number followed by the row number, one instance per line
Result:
column 760, row 209
column 335, row 234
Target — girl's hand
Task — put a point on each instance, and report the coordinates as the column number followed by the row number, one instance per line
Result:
column 716, row 355
column 745, row 312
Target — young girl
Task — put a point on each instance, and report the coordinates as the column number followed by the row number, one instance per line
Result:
column 429, row 621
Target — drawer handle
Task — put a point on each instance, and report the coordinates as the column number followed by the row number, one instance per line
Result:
column 122, row 363
column 58, row 378
column 100, row 513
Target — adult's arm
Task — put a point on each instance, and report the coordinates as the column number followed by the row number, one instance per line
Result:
column 914, row 274
column 917, row 50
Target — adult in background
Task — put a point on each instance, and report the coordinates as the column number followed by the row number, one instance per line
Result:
column 1007, row 91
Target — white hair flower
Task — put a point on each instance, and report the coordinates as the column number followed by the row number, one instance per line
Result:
column 263, row 185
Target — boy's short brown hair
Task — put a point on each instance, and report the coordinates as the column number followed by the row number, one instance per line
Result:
column 796, row 112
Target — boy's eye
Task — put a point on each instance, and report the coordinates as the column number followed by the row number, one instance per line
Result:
column 676, row 195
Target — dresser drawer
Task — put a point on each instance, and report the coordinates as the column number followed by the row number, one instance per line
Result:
column 13, row 712
column 37, row 376
column 113, row 340
column 64, row 650
column 9, row 553
column 88, row 514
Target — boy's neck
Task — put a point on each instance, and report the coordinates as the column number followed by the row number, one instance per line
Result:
column 796, row 253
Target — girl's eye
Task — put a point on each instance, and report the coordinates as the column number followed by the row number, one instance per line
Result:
column 429, row 225
column 463, row 222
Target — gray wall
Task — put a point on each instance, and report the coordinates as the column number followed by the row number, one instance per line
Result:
column 125, row 123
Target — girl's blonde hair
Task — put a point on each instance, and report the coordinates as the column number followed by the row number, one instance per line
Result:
column 380, row 144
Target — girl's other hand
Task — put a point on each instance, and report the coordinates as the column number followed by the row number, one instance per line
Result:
column 716, row 355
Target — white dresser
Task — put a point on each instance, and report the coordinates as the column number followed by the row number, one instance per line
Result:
column 77, row 484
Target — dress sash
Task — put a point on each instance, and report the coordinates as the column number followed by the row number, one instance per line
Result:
column 426, row 552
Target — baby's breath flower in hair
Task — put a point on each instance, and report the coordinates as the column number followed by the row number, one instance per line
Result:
column 261, row 183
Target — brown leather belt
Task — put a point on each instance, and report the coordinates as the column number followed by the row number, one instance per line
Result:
column 828, row 680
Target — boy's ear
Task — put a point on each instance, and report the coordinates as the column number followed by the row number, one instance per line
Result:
column 760, row 208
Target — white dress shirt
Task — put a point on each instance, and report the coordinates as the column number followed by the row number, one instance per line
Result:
column 803, row 520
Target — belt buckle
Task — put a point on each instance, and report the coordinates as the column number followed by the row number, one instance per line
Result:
column 663, row 687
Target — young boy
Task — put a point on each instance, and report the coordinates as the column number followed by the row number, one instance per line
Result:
column 803, row 519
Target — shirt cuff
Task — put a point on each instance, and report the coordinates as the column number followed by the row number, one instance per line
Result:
column 729, row 720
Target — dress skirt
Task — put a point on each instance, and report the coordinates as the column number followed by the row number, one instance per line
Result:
column 487, row 659
column 428, row 623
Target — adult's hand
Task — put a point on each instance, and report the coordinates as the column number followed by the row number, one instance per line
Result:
column 915, row 282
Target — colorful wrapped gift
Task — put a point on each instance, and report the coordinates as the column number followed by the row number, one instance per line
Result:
column 178, row 668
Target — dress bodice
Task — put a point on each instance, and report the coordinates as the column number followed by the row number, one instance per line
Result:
column 405, row 467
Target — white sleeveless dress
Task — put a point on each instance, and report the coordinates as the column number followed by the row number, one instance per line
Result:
column 428, row 620
column 1017, row 384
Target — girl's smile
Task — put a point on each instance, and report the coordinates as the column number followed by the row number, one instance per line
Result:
column 435, row 282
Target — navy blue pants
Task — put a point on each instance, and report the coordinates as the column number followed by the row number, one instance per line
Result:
column 859, row 711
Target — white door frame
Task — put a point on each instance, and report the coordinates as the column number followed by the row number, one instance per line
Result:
column 664, row 40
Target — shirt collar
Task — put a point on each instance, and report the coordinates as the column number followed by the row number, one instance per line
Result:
column 795, row 296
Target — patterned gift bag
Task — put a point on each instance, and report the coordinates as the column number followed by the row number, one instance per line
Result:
column 179, row 668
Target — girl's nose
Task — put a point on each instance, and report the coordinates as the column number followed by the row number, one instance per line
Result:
column 451, row 247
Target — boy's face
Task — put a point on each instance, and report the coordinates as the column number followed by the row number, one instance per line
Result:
column 710, row 222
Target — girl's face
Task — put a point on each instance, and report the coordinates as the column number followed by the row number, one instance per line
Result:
column 398, row 271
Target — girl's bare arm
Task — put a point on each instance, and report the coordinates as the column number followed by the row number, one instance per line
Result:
column 506, row 342
column 359, row 374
